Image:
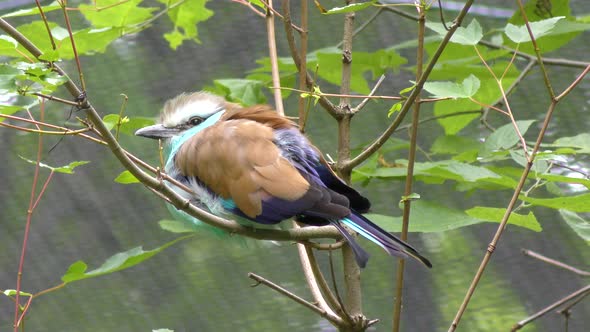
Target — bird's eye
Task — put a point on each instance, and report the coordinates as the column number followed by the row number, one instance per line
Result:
column 195, row 120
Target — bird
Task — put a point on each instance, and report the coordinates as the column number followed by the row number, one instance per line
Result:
column 250, row 163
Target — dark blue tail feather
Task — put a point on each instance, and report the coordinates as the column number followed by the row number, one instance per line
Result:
column 367, row 229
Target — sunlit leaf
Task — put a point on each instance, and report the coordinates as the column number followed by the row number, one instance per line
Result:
column 128, row 125
column 185, row 18
column 520, row 34
column 581, row 142
column 116, row 13
column 395, row 108
column 8, row 76
column 163, row 330
column 178, row 226
column 469, row 35
column 126, row 178
column 12, row 292
column 580, row 225
column 496, row 214
column 466, row 89
column 579, row 203
column 488, row 92
column 506, row 137
column 246, row 92
column 67, row 169
column 8, row 110
column 350, row 8
column 117, row 262
column 90, row 41
column 7, row 44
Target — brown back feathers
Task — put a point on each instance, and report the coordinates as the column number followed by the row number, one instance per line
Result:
column 237, row 159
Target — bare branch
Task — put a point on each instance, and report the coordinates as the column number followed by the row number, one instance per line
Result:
column 580, row 292
column 298, row 299
column 554, row 262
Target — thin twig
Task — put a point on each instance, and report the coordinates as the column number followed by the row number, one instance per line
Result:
column 329, row 296
column 306, row 233
column 554, row 262
column 397, row 309
column 537, row 50
column 314, row 288
column 53, row 98
column 29, row 218
column 324, row 102
column 303, row 70
column 367, row 152
column 568, row 307
column 513, row 200
column 366, row 100
column 580, row 292
column 63, row 4
column 274, row 62
column 44, row 19
column 296, row 298
column 365, row 24
column 505, row 98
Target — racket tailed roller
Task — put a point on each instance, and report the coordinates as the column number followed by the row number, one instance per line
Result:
column 250, row 163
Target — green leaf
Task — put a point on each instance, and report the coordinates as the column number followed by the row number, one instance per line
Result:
column 581, row 142
column 580, row 225
column 329, row 64
column 488, row 91
column 185, row 18
column 395, row 108
column 350, row 8
column 117, row 262
column 128, row 125
column 245, row 92
column 466, row 89
column 505, row 137
column 126, row 178
column 7, row 44
column 470, row 35
column 426, row 217
column 520, row 34
column 12, row 292
column 116, row 13
column 496, row 214
column 67, row 169
column 8, row 77
column 177, row 226
column 39, row 72
column 8, row 110
column 537, row 11
column 452, row 144
column 579, row 203
column 461, row 171
column 90, row 41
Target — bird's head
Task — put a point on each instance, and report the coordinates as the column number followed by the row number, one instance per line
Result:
column 185, row 115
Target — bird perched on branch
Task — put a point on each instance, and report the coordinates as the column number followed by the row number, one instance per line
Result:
column 251, row 163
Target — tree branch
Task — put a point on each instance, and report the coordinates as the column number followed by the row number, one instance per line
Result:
column 176, row 200
column 413, row 95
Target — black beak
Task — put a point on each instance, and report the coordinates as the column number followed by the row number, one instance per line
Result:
column 157, row 131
